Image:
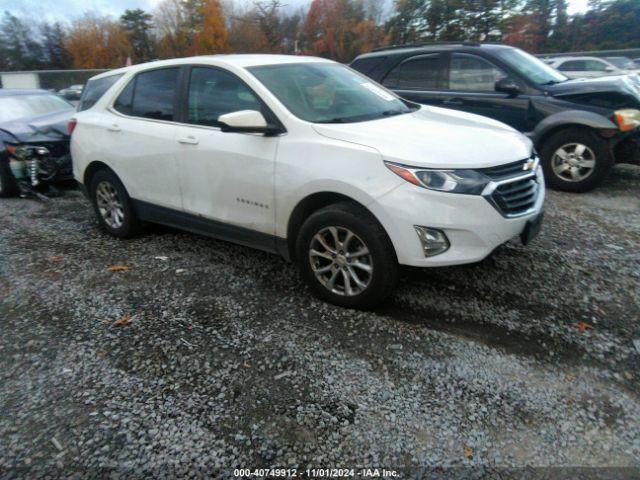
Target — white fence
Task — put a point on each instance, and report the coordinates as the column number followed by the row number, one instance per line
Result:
column 47, row 79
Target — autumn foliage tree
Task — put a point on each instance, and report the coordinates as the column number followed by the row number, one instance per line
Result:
column 97, row 42
column 191, row 27
column 340, row 29
column 210, row 35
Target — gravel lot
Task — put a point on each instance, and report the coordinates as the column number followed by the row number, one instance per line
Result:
column 526, row 359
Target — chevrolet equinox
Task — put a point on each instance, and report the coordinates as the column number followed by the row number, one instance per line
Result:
column 307, row 158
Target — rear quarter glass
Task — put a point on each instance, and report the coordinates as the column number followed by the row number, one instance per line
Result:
column 95, row 89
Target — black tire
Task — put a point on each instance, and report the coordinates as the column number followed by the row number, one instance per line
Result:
column 8, row 185
column 130, row 224
column 599, row 147
column 381, row 257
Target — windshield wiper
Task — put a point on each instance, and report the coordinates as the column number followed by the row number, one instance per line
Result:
column 336, row 120
column 553, row 82
column 364, row 118
column 391, row 113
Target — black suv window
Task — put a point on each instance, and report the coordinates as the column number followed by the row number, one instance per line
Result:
column 417, row 73
column 213, row 92
column 95, row 89
column 150, row 95
column 472, row 73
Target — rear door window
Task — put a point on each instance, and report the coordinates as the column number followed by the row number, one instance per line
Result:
column 418, row 73
column 150, row 94
column 95, row 89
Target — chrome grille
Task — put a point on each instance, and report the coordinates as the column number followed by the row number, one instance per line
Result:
column 514, row 189
column 515, row 198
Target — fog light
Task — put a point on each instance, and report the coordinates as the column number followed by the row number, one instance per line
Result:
column 433, row 241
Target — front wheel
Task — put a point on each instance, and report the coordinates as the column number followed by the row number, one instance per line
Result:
column 346, row 257
column 575, row 160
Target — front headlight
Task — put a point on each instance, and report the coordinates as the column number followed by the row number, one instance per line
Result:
column 627, row 119
column 465, row 181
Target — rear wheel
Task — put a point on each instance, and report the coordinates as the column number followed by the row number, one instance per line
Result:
column 346, row 257
column 8, row 185
column 575, row 160
column 112, row 205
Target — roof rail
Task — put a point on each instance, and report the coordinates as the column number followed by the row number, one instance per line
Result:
column 425, row 44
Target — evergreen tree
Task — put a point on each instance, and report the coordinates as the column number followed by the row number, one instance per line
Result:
column 56, row 55
column 138, row 26
column 20, row 48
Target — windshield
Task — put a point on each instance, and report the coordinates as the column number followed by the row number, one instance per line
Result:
column 621, row 62
column 328, row 93
column 21, row 106
column 530, row 67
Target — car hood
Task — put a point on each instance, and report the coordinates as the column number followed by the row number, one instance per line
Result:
column 622, row 84
column 48, row 127
column 435, row 138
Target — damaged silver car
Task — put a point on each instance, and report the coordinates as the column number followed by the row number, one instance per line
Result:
column 34, row 142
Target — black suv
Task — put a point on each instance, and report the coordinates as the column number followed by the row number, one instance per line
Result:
column 581, row 128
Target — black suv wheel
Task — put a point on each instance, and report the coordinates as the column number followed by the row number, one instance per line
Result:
column 112, row 205
column 346, row 257
column 575, row 160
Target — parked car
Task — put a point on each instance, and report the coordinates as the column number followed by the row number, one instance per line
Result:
column 34, row 143
column 624, row 63
column 580, row 127
column 305, row 157
column 74, row 92
column 586, row 67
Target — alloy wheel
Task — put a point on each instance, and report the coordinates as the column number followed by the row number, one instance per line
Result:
column 573, row 162
column 341, row 261
column 109, row 205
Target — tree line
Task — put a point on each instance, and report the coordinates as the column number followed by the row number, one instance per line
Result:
column 337, row 29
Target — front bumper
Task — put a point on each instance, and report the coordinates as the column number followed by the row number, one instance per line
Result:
column 627, row 149
column 472, row 224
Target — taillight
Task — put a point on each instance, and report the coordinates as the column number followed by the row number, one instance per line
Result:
column 71, row 126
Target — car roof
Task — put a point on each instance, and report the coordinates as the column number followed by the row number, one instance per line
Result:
column 433, row 47
column 238, row 60
column 14, row 92
column 579, row 58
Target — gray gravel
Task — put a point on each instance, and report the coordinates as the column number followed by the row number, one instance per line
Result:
column 228, row 362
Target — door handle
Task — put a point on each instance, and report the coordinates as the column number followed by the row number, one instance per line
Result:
column 189, row 140
column 453, row 101
column 114, row 128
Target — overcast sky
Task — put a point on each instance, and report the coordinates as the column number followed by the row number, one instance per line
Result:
column 69, row 9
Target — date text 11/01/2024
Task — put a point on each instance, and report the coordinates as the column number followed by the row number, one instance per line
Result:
column 315, row 473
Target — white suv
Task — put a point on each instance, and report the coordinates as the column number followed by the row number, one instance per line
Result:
column 306, row 158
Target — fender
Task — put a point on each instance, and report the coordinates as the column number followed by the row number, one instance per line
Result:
column 572, row 117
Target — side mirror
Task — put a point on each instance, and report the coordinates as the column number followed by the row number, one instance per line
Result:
column 609, row 69
column 247, row 121
column 508, row 85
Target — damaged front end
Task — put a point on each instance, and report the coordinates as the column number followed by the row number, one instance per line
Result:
column 37, row 168
column 34, row 155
